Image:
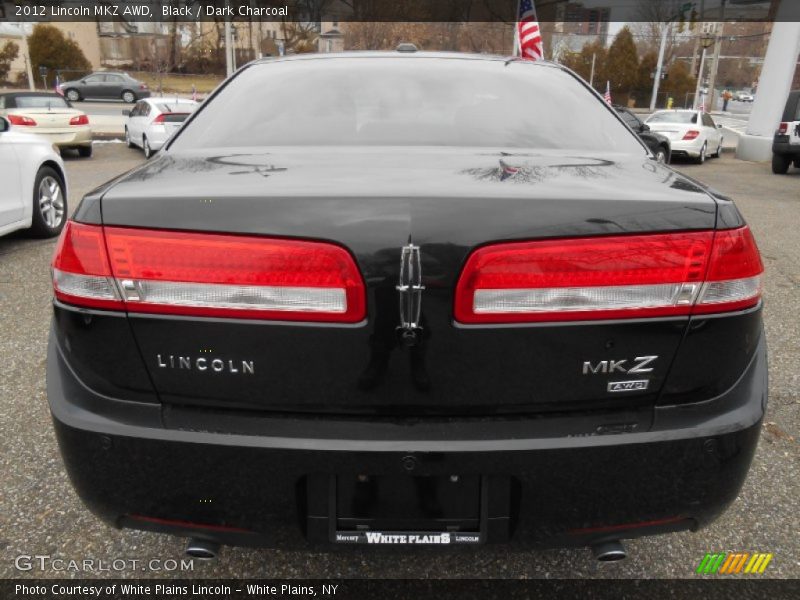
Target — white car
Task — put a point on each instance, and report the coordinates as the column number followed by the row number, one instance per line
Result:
column 743, row 96
column 33, row 184
column 153, row 120
column 691, row 133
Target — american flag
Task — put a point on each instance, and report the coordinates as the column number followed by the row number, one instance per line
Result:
column 607, row 95
column 529, row 38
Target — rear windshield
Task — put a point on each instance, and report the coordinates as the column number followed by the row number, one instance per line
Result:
column 175, row 117
column 40, row 102
column 391, row 101
column 175, row 107
column 674, row 117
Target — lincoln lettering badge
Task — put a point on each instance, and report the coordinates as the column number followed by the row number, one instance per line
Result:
column 410, row 291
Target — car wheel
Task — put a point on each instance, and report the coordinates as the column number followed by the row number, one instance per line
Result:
column 73, row 95
column 85, row 151
column 780, row 163
column 148, row 152
column 128, row 96
column 128, row 139
column 702, row 156
column 49, row 204
column 661, row 155
column 719, row 150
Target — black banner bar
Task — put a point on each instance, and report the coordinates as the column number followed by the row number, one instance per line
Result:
column 561, row 11
column 712, row 588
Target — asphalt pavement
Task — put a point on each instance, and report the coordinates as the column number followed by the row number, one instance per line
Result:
column 40, row 513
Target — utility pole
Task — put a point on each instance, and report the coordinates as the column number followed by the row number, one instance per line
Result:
column 591, row 76
column 228, row 49
column 228, row 45
column 706, row 40
column 713, row 77
column 659, row 65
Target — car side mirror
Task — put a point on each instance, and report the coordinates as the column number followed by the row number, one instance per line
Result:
column 719, row 126
column 4, row 126
column 645, row 127
column 126, row 113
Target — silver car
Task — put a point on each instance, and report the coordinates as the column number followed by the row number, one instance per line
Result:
column 153, row 120
column 105, row 85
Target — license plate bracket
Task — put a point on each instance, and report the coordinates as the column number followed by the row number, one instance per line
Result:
column 405, row 510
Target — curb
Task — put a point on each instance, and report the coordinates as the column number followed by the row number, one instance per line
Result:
column 107, row 136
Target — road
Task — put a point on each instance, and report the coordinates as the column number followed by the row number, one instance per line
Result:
column 40, row 513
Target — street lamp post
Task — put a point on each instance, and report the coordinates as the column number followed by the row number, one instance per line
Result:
column 705, row 41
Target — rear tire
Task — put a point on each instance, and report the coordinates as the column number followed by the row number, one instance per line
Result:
column 148, row 151
column 128, row 97
column 702, row 157
column 73, row 95
column 780, row 164
column 85, row 151
column 49, row 204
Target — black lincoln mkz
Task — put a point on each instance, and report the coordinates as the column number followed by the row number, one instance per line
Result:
column 407, row 298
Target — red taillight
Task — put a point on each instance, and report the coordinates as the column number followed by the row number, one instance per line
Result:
column 610, row 277
column 79, row 120
column 142, row 86
column 21, row 120
column 691, row 134
column 81, row 271
column 783, row 128
column 159, row 119
column 215, row 275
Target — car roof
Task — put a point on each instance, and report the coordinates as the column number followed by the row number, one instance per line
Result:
column 417, row 55
column 11, row 97
column 167, row 99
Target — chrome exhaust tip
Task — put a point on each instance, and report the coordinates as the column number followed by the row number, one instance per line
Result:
column 609, row 551
column 202, row 549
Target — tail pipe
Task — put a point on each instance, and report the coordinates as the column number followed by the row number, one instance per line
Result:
column 202, row 549
column 609, row 551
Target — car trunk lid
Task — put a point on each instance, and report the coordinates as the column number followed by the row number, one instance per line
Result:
column 378, row 203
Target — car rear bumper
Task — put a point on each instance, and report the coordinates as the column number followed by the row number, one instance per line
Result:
column 267, row 481
column 687, row 148
column 784, row 147
column 77, row 136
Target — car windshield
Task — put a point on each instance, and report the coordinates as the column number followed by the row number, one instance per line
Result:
column 364, row 101
column 674, row 117
column 41, row 102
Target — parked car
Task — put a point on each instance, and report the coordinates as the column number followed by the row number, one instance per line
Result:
column 659, row 144
column 743, row 96
column 153, row 120
column 691, row 133
column 106, row 85
column 786, row 143
column 406, row 298
column 33, row 190
column 50, row 116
